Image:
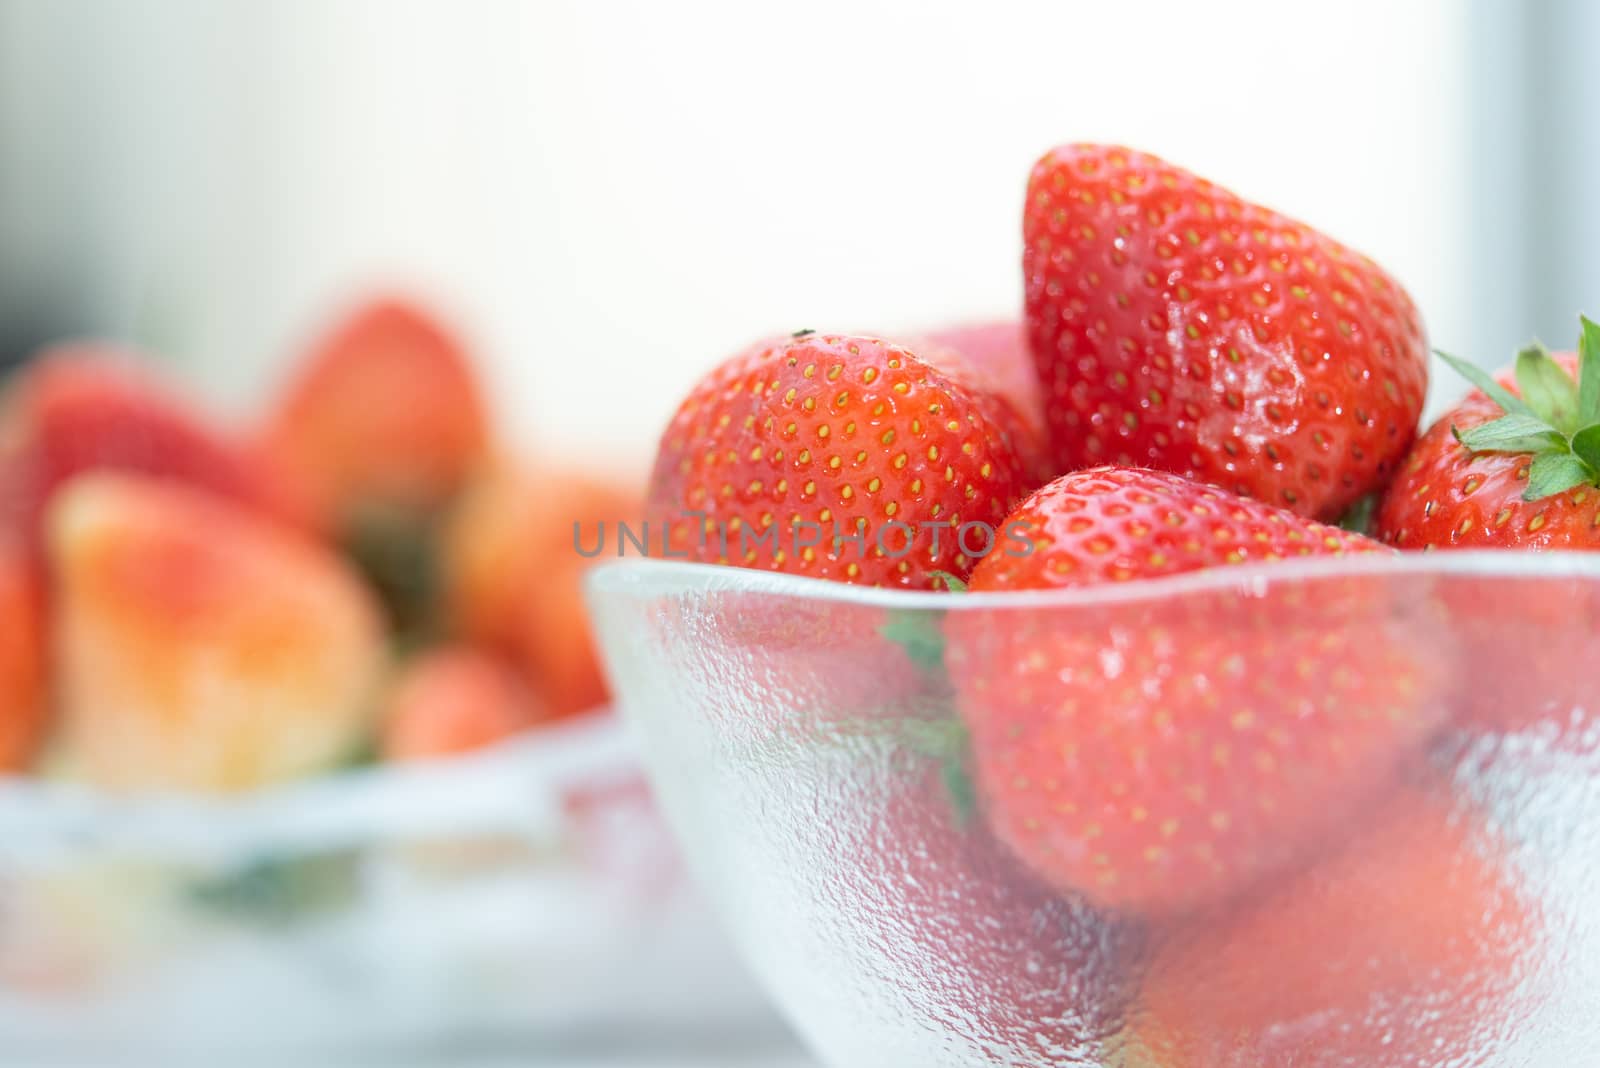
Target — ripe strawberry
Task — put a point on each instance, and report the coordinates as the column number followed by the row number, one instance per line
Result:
column 22, row 658
column 384, row 415
column 198, row 647
column 454, row 700
column 84, row 407
column 1178, row 327
column 1402, row 949
column 1160, row 754
column 514, row 574
column 824, row 438
column 1515, row 465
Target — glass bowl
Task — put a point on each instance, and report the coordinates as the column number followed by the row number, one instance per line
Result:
column 525, row 895
column 1323, row 812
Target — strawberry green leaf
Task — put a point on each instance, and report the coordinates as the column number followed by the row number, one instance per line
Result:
column 1555, row 472
column 1547, row 388
column 1589, row 372
column 1358, row 517
column 1508, row 401
column 941, row 737
column 958, row 787
column 1512, row 433
column 951, row 583
column 276, row 891
column 919, row 634
column 945, row 740
column 1586, row 446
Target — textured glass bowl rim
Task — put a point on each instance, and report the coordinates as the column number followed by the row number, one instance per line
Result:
column 658, row 578
column 512, row 788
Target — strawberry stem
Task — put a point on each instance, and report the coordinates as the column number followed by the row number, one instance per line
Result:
column 919, row 634
column 1509, row 402
column 1547, row 389
column 1556, row 420
column 1358, row 517
column 1588, row 372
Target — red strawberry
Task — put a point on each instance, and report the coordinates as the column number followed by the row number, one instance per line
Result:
column 84, row 408
column 198, row 647
column 1158, row 754
column 22, row 658
column 1178, row 327
column 826, row 435
column 385, row 415
column 514, row 573
column 1403, row 949
column 1514, row 465
column 454, row 700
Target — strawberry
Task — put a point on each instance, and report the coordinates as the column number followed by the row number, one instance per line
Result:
column 86, row 407
column 384, row 415
column 837, row 457
column 22, row 658
column 1161, row 754
column 1515, row 465
column 513, row 573
column 199, row 647
column 1401, row 949
column 454, row 700
column 1178, row 327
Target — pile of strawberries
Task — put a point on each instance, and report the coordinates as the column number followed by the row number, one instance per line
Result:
column 1199, row 382
column 363, row 573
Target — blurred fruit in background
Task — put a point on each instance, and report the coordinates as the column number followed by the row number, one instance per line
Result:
column 91, row 406
column 199, row 646
column 453, row 700
column 375, row 434
column 513, row 572
column 214, row 612
column 383, row 414
column 22, row 671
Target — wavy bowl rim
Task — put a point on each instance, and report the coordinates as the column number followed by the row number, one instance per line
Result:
column 513, row 787
column 658, row 577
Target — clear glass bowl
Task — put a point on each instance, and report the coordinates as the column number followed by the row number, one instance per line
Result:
column 527, row 896
column 1394, row 860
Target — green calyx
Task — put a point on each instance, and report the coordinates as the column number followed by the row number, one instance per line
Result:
column 1358, row 518
column 1555, row 420
column 919, row 632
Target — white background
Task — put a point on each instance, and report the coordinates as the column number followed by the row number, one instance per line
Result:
column 611, row 196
